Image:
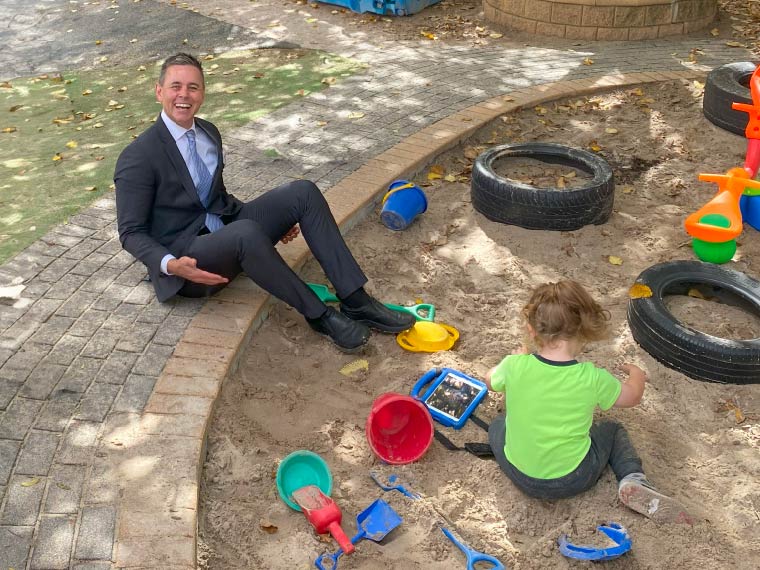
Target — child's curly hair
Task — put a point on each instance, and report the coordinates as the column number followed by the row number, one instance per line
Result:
column 565, row 311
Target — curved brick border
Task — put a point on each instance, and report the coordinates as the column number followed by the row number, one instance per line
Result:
column 158, row 459
column 602, row 19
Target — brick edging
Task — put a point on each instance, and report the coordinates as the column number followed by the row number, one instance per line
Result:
column 162, row 453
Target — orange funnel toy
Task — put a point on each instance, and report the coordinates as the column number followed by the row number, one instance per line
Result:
column 731, row 186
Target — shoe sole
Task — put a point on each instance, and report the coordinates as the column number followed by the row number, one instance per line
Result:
column 653, row 505
column 383, row 328
column 345, row 350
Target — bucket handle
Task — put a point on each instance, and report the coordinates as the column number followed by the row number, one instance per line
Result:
column 396, row 189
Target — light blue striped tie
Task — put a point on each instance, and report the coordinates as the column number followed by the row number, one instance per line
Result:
column 203, row 185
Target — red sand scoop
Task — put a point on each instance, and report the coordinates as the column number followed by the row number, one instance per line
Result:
column 323, row 514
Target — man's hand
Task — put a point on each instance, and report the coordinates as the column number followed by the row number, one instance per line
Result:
column 291, row 234
column 186, row 267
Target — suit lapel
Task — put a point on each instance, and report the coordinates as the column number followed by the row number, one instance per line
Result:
column 170, row 146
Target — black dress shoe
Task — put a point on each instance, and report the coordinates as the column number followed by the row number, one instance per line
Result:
column 376, row 315
column 348, row 335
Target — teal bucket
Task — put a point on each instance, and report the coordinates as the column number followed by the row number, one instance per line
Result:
column 403, row 202
column 299, row 469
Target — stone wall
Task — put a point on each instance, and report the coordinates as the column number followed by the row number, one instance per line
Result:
column 602, row 19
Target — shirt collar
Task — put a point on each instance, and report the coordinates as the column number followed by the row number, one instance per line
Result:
column 176, row 131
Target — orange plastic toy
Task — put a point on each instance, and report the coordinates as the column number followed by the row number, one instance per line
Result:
column 752, row 132
column 731, row 186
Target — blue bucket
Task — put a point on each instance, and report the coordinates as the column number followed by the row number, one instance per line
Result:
column 403, row 202
column 750, row 206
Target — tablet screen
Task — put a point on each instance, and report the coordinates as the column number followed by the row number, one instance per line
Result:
column 453, row 395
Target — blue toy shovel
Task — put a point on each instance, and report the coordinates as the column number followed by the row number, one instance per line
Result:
column 421, row 312
column 614, row 532
column 373, row 523
column 473, row 556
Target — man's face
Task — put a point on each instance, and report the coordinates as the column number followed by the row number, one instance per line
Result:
column 181, row 93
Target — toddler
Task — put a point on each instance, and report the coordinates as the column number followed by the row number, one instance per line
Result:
column 546, row 444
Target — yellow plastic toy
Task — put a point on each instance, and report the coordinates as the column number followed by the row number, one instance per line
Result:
column 425, row 336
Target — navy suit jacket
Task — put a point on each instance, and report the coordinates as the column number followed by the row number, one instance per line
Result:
column 157, row 206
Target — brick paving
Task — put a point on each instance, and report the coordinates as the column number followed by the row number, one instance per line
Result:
column 105, row 393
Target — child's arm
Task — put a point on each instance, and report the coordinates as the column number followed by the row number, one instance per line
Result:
column 633, row 388
column 488, row 378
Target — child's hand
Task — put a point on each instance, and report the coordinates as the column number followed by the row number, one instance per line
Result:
column 633, row 371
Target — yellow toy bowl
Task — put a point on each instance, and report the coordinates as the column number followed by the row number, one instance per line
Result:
column 425, row 336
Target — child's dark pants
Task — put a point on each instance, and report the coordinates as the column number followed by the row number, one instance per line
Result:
column 609, row 444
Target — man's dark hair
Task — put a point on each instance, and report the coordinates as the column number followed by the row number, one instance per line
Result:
column 179, row 59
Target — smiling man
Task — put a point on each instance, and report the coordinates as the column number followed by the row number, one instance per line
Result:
column 176, row 216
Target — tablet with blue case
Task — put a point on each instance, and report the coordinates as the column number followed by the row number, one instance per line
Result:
column 451, row 396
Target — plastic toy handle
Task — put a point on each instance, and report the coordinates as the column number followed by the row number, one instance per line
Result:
column 320, row 562
column 473, row 556
column 340, row 537
column 426, row 379
column 421, row 312
column 406, row 345
column 396, row 189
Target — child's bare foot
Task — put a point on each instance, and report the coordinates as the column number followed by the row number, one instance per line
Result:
column 636, row 493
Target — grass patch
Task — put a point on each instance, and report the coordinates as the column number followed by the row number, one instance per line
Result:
column 60, row 135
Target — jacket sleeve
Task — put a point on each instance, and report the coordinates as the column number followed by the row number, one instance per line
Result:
column 136, row 187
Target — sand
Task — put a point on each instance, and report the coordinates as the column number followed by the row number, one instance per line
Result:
column 289, row 394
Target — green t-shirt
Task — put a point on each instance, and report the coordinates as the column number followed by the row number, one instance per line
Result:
column 550, row 408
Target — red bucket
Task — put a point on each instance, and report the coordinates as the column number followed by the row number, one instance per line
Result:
column 399, row 428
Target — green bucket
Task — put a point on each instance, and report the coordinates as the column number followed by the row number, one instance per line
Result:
column 299, row 469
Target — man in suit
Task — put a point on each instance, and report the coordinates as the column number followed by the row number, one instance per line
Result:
column 175, row 215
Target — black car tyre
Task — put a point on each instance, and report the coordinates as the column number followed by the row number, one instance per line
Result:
column 678, row 346
column 728, row 84
column 512, row 202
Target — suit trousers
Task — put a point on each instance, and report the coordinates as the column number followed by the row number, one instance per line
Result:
column 247, row 243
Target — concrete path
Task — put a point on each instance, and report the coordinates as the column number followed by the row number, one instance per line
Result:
column 105, row 394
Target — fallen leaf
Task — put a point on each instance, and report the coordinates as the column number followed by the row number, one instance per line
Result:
column 695, row 293
column 450, row 178
column 121, row 89
column 99, row 158
column 302, row 92
column 10, row 129
column 736, row 44
column 98, row 42
column 133, row 41
column 57, row 156
column 615, row 260
column 267, row 526
column 507, row 98
column 311, row 20
column 628, row 189
column 328, row 80
column 588, row 61
column 72, row 144
column 321, row 123
column 540, row 110
column 141, row 68
column 208, row 57
column 62, row 486
column 355, row 115
column 638, row 92
column 91, row 188
column 6, row 85
column 438, row 169
column 715, row 32
column 593, row 145
column 428, row 35
column 495, row 36
column 87, row 92
column 639, row 291
column 112, row 103
column 271, row 153
column 97, row 125
column 30, row 482
column 360, row 365
column 611, row 131
column 15, row 108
